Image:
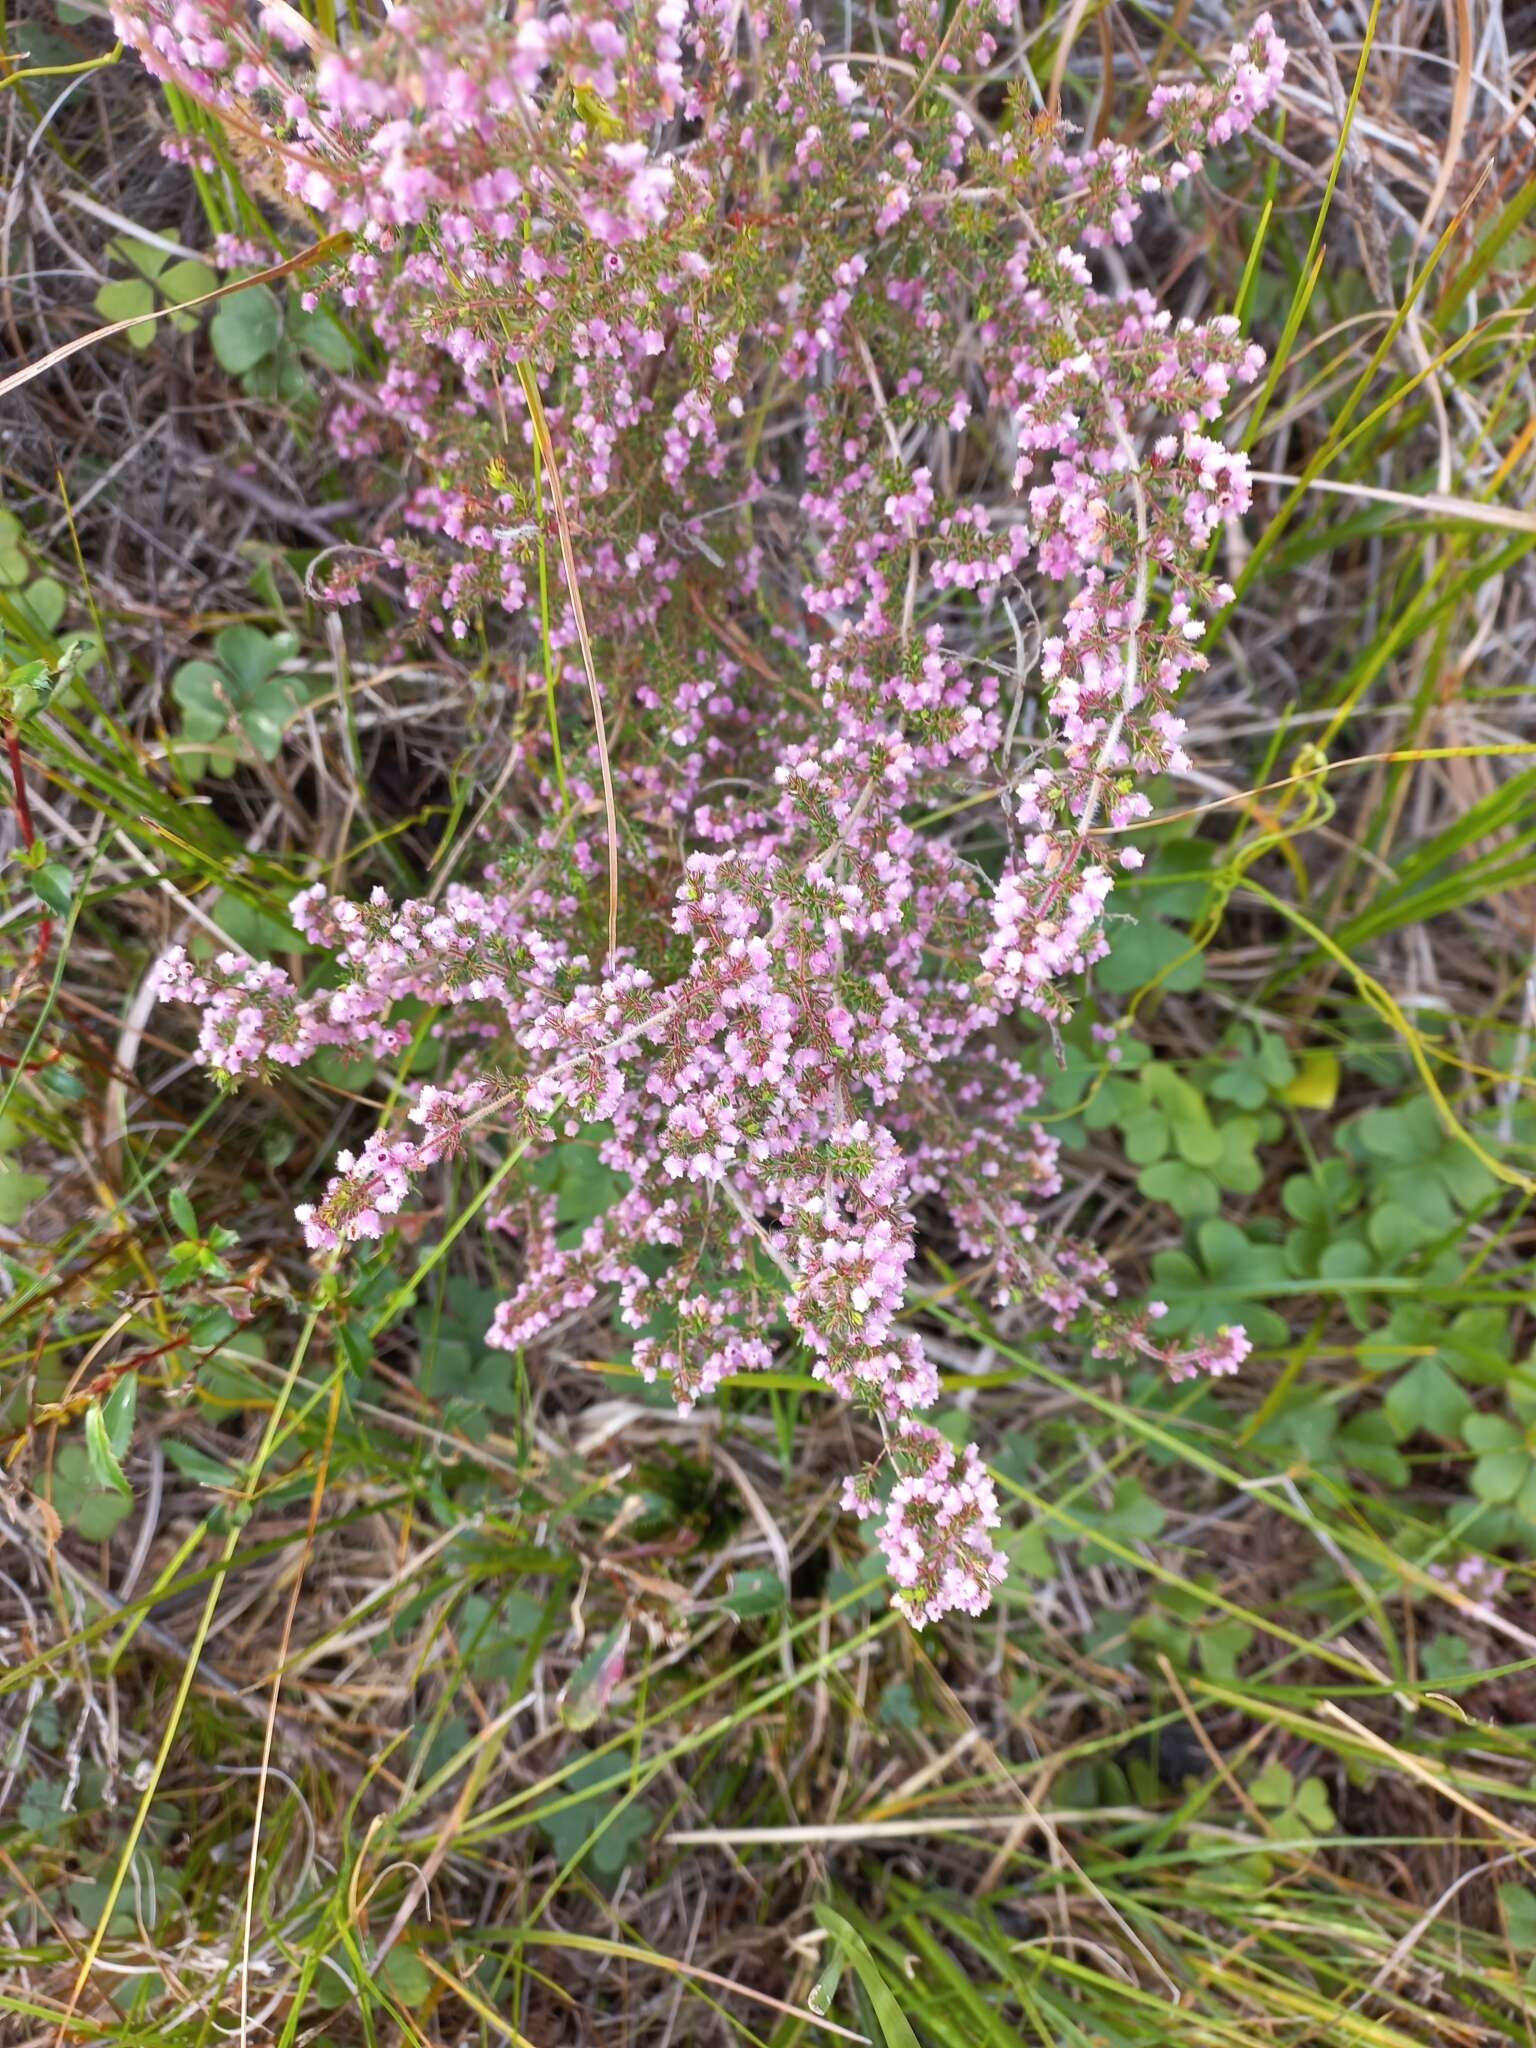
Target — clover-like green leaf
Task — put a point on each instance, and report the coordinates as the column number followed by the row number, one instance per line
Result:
column 1368, row 1443
column 584, row 1187
column 129, row 298
column 1190, row 1193
column 1132, row 1516
column 246, row 328
column 79, row 1497
column 13, row 562
column 147, row 258
column 199, row 688
column 251, row 656
column 319, row 335
column 1224, row 1280
column 1147, row 951
column 473, row 1383
column 1398, row 1231
column 1475, row 1345
column 1505, row 1472
column 1257, row 1066
column 1238, row 1168
column 1312, row 1806
column 1152, row 945
column 261, row 933
column 183, row 280
column 1416, row 1161
column 407, row 1977
column 1272, row 1787
column 1427, row 1397
column 755, row 1593
column 264, row 718
column 239, row 694
column 571, row 1830
column 1194, row 1135
column 1221, row 1646
column 1147, row 1136
column 44, row 601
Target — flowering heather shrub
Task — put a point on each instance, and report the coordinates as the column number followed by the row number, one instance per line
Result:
column 795, row 364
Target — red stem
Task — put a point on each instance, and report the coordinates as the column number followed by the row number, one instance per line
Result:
column 19, row 782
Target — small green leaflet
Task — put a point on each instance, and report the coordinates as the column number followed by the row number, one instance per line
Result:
column 56, row 886
column 246, row 329
column 122, row 1403
column 754, row 1593
column 108, row 1432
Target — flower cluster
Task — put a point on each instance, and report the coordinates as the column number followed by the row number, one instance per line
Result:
column 936, row 1532
column 831, row 392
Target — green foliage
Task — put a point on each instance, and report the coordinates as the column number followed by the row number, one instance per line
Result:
column 406, row 1977
column 1503, row 1473
column 246, row 329
column 895, row 2028
column 474, row 1386
column 108, row 1432
column 156, row 279
column 265, row 341
column 1225, row 1277
column 32, row 608
column 13, row 559
column 755, row 1594
column 1152, row 945
column 238, row 699
column 81, row 1498
column 18, row 1191
column 583, row 1187
column 604, row 1830
column 1414, row 1169
column 1370, row 1230
column 1292, row 1808
column 257, row 931
column 1264, row 1151
column 1193, row 1142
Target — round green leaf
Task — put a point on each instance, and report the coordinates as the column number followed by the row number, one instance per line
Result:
column 1427, row 1398
column 1499, row 1475
column 186, row 280
column 44, row 602
column 56, row 886
column 126, row 298
column 1185, row 1189
column 245, row 329
column 320, row 336
column 18, row 1191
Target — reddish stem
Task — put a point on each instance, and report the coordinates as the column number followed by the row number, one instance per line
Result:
column 19, row 782
column 32, row 1066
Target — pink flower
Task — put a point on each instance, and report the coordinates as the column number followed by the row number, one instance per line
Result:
column 777, row 324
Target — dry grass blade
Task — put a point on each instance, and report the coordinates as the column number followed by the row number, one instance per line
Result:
column 1425, row 504
column 573, row 585
column 1458, row 15
column 1414, row 1767
column 595, row 1945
